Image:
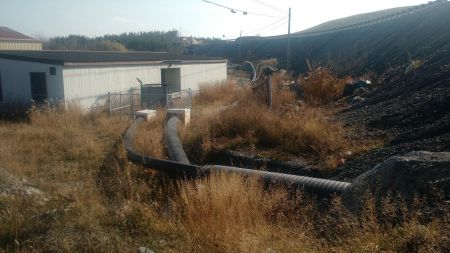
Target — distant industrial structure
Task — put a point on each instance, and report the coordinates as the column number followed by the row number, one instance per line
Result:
column 88, row 78
column 12, row 40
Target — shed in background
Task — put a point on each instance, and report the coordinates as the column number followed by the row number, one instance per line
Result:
column 13, row 40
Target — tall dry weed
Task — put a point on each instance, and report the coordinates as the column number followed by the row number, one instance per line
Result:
column 321, row 86
column 305, row 132
column 229, row 213
column 216, row 93
column 149, row 139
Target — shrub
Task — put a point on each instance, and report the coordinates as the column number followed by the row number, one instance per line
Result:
column 321, row 86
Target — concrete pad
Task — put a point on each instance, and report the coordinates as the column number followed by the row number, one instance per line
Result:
column 147, row 114
column 184, row 114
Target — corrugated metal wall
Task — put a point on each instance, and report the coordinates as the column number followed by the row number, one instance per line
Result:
column 16, row 86
column 193, row 75
column 89, row 86
column 12, row 45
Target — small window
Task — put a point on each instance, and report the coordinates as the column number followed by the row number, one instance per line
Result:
column 52, row 71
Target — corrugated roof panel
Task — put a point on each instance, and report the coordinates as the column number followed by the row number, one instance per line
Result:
column 9, row 34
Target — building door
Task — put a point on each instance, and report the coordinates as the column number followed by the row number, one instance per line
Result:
column 38, row 84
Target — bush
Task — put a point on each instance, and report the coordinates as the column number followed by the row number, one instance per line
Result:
column 321, row 86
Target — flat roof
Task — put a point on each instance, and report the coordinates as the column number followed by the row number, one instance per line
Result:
column 96, row 58
column 11, row 35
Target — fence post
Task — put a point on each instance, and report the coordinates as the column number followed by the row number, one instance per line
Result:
column 167, row 97
column 132, row 101
column 109, row 103
column 270, row 91
column 190, row 98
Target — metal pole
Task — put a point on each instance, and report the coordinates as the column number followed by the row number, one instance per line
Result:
column 109, row 103
column 288, row 49
column 240, row 47
column 190, row 98
column 167, row 96
column 132, row 101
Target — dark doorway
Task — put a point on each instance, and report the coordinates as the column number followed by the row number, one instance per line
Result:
column 38, row 83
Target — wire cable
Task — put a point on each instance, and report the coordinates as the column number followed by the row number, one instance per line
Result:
column 270, row 6
column 267, row 26
column 275, row 27
column 234, row 10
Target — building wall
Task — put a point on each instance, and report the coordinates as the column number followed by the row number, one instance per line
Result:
column 15, row 45
column 192, row 75
column 16, row 88
column 89, row 86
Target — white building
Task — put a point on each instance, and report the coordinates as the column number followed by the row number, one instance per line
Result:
column 86, row 77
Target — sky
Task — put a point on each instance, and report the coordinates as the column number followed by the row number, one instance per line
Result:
column 48, row 18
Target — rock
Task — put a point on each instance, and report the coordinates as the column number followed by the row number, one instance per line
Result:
column 416, row 174
column 361, row 92
column 350, row 88
column 145, row 250
column 357, row 99
column 10, row 185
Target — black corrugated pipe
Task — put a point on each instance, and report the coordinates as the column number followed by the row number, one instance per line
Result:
column 174, row 147
column 181, row 167
column 170, row 167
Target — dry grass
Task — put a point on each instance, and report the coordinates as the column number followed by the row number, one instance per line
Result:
column 292, row 128
column 287, row 129
column 216, row 93
column 149, row 139
column 321, row 86
column 96, row 201
column 227, row 213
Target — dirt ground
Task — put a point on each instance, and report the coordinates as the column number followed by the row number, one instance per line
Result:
column 412, row 110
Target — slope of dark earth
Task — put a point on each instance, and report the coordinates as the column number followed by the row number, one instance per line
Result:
column 412, row 109
column 374, row 47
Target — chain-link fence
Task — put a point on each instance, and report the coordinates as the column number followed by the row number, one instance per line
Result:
column 139, row 98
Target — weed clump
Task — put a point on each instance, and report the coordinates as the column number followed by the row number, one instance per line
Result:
column 321, row 86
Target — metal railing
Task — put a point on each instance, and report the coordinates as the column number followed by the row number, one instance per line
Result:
column 134, row 99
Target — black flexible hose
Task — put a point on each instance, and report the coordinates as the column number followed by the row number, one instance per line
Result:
column 318, row 186
column 174, row 147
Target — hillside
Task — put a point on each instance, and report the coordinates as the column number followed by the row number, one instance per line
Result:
column 413, row 33
column 351, row 20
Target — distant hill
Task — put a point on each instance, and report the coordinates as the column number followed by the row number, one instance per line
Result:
column 357, row 44
column 355, row 19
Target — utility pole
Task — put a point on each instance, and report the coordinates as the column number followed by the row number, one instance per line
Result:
column 240, row 47
column 288, row 49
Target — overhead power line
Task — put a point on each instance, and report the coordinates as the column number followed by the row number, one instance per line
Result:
column 270, row 6
column 234, row 10
column 275, row 27
column 267, row 26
